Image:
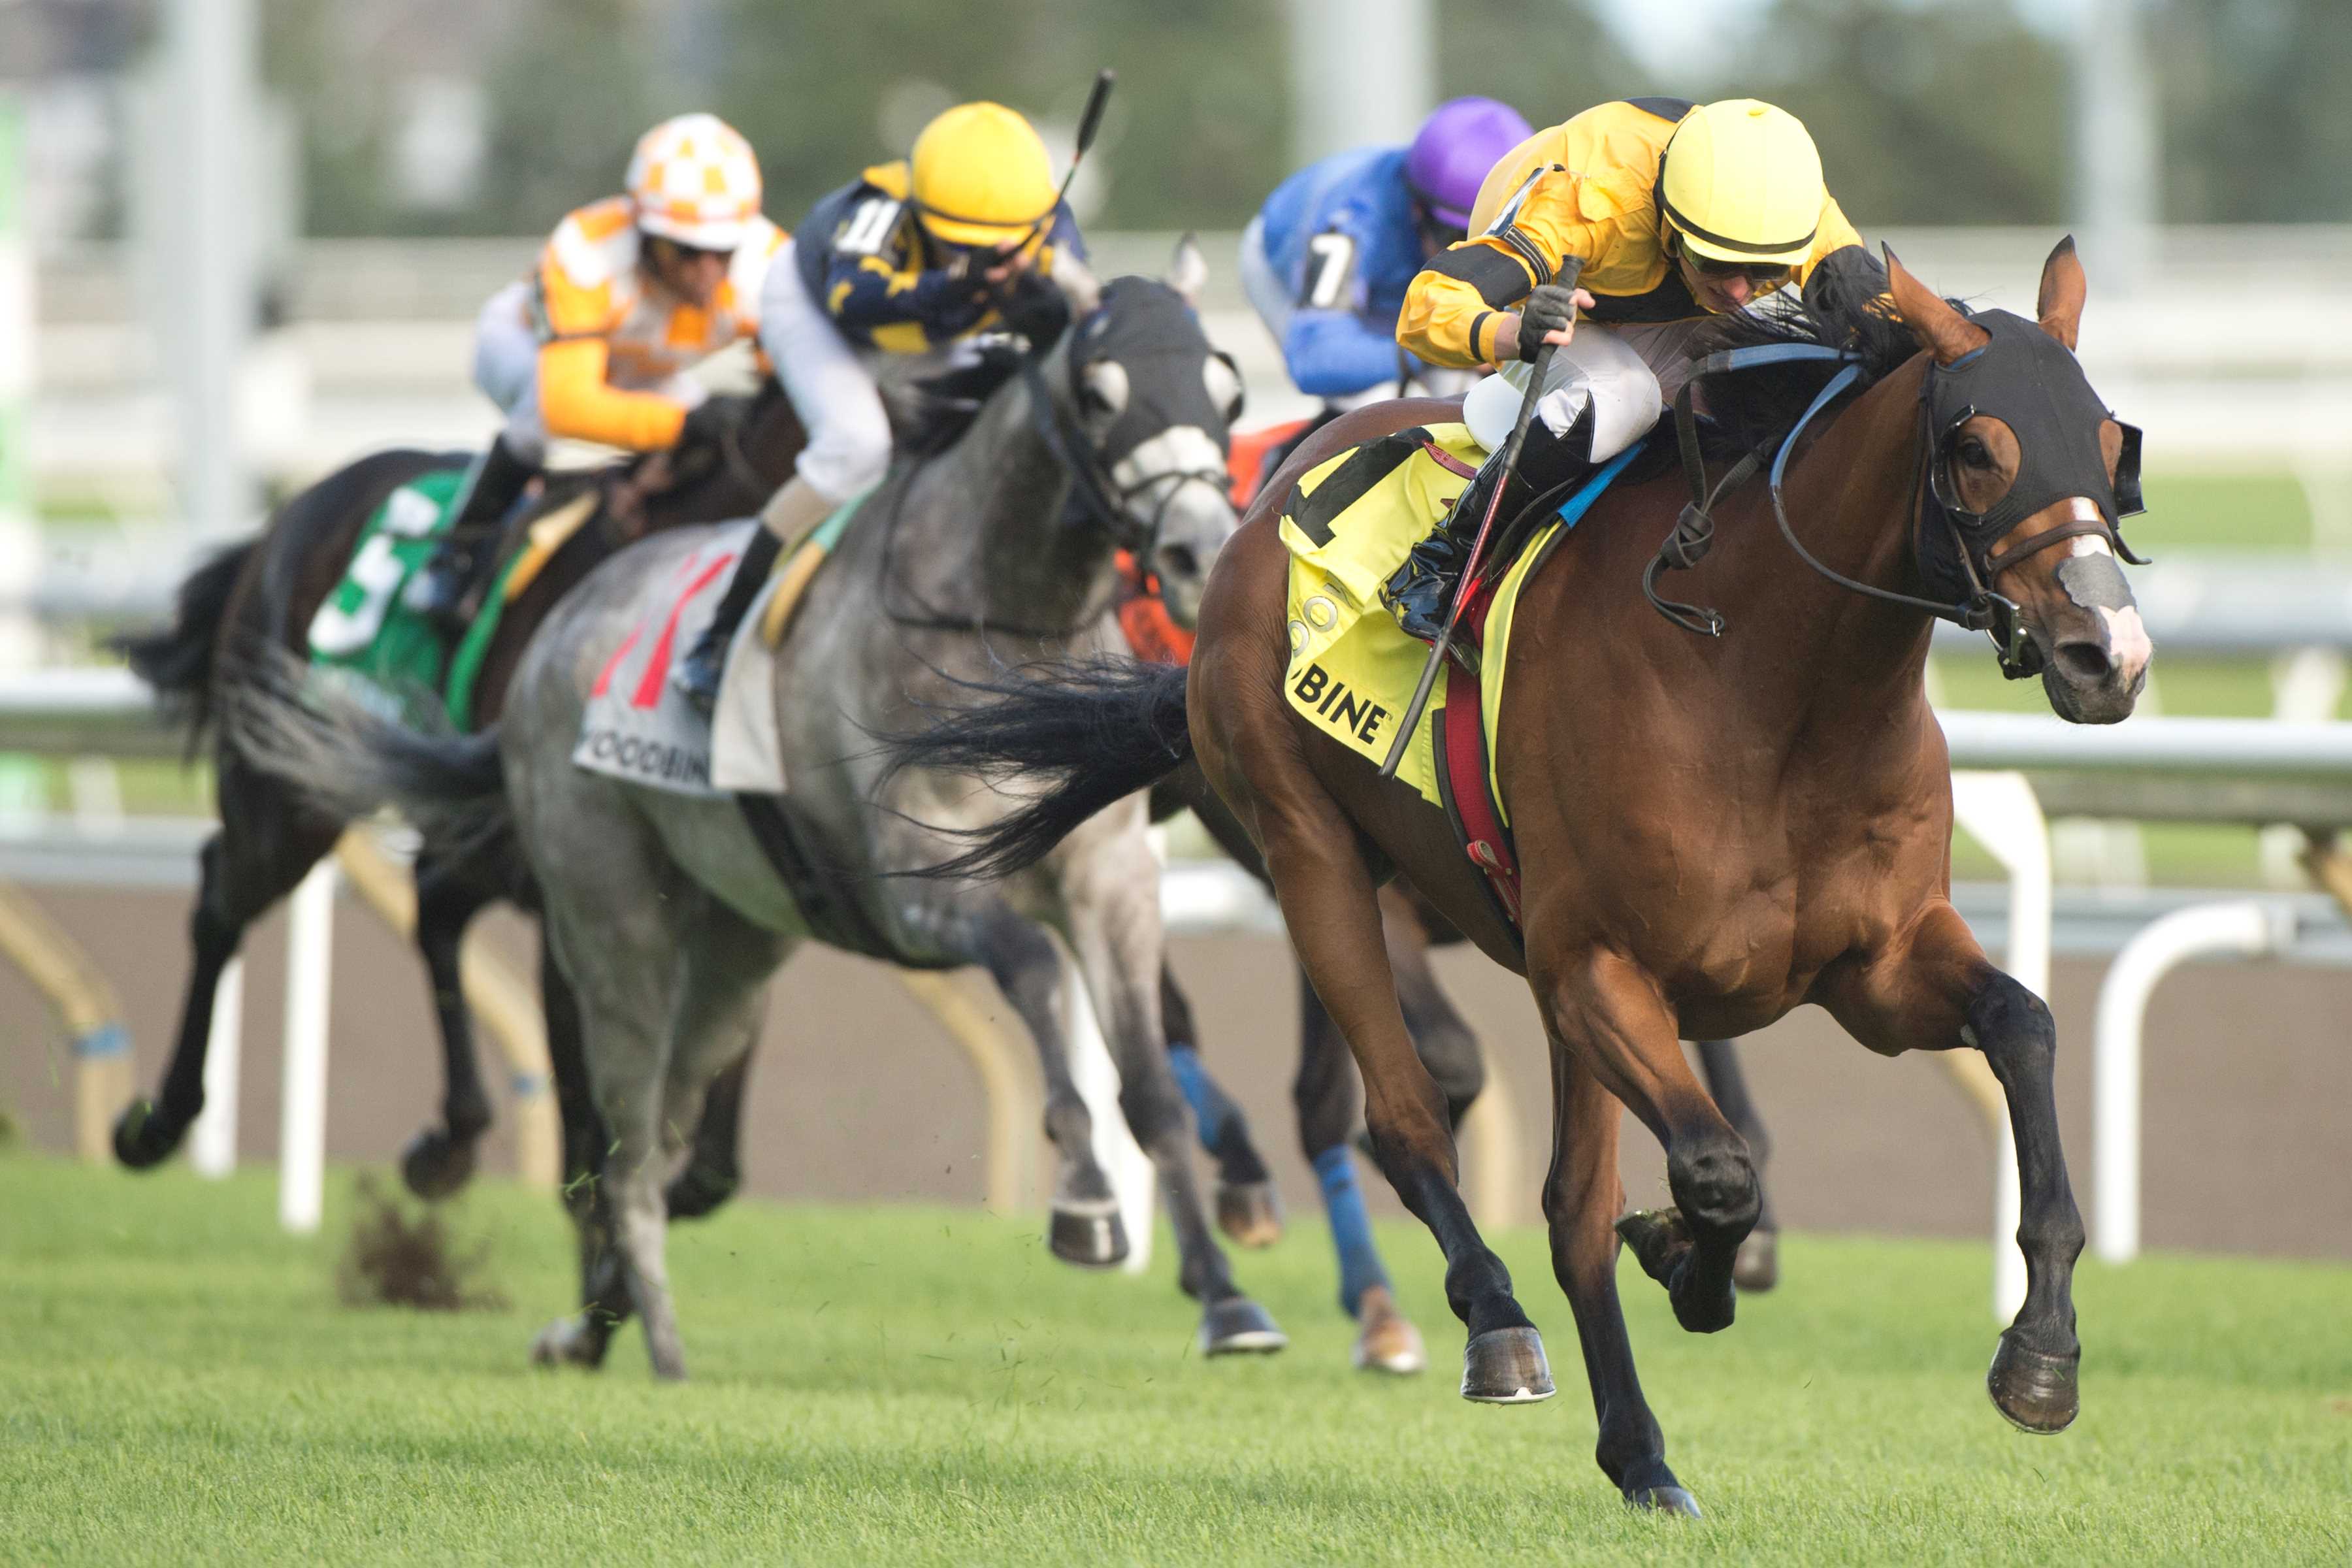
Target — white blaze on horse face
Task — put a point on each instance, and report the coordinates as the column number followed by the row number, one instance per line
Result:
column 2129, row 647
column 1107, row 388
column 1225, row 386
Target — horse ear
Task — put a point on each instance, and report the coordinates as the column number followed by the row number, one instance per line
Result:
column 1188, row 270
column 1938, row 328
column 2063, row 287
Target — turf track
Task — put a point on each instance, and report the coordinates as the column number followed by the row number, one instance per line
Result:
column 908, row 1386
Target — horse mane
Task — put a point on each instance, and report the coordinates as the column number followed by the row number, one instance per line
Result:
column 1844, row 306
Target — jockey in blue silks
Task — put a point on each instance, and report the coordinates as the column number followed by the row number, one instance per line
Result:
column 1327, row 260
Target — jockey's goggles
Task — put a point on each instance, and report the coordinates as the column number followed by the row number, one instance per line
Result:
column 1761, row 274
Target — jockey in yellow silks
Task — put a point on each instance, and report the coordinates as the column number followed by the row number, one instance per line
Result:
column 1642, row 216
column 629, row 294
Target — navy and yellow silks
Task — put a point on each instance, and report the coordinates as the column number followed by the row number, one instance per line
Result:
column 1349, row 526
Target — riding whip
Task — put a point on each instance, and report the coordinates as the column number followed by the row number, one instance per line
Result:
column 1437, row 652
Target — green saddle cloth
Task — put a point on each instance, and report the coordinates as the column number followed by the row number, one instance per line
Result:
column 367, row 640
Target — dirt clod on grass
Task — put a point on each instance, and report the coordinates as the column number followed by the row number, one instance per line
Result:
column 397, row 1260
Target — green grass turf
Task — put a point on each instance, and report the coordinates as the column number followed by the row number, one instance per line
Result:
column 911, row 1386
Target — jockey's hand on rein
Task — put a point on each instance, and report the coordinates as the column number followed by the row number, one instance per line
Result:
column 1550, row 307
column 1034, row 306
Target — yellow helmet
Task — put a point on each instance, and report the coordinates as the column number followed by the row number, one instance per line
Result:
column 981, row 175
column 1742, row 182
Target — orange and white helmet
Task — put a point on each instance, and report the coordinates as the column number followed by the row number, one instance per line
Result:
column 695, row 180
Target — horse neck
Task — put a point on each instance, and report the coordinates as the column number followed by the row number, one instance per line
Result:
column 995, row 547
column 1849, row 498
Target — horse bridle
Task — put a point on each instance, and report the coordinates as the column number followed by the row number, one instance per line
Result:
column 1977, row 538
column 1096, row 497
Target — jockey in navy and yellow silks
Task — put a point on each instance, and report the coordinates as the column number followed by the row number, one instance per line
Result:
column 906, row 258
column 1611, row 236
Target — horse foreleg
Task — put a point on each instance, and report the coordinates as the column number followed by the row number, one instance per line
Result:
column 440, row 1160
column 1612, row 1015
column 1247, row 1209
column 1581, row 1197
column 1085, row 1228
column 1111, row 918
column 604, row 1285
column 1328, row 899
column 1758, row 1267
column 1328, row 1104
column 1934, row 989
column 241, row 872
column 713, row 1170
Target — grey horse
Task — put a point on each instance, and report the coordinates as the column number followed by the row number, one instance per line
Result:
column 668, row 912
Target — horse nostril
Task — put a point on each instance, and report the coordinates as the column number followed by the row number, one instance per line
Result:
column 2085, row 661
column 1177, row 560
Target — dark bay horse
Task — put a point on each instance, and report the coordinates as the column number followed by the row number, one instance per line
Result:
column 1712, row 830
column 265, row 592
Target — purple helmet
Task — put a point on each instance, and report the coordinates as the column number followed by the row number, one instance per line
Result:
column 1455, row 147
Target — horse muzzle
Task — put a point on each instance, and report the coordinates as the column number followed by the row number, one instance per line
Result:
column 2096, row 651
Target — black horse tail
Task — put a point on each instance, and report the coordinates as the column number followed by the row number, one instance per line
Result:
column 346, row 761
column 1096, row 732
column 177, row 659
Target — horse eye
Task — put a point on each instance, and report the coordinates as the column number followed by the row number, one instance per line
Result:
column 1974, row 454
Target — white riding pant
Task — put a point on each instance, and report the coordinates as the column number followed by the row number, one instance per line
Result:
column 1607, row 369
column 506, row 369
column 832, row 391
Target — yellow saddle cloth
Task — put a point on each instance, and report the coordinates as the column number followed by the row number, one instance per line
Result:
column 1349, row 526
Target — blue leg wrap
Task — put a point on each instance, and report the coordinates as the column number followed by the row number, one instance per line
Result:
column 1352, row 1228
column 1210, row 1109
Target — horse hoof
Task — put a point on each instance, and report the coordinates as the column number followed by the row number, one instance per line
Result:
column 1091, row 1235
column 1239, row 1326
column 1668, row 1499
column 567, row 1342
column 2036, row 1391
column 1506, row 1366
column 1659, row 1241
column 698, row 1192
column 1388, row 1343
column 435, row 1165
column 144, row 1136
column 1756, row 1265
column 1249, row 1213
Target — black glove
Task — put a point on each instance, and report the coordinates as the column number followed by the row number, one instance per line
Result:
column 1034, row 306
column 708, row 424
column 1551, row 308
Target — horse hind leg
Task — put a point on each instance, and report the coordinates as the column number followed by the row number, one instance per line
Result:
column 1758, row 1267
column 439, row 1161
column 1329, row 1103
column 1248, row 1210
column 266, row 845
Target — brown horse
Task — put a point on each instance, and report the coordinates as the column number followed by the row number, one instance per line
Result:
column 265, row 592
column 1712, row 830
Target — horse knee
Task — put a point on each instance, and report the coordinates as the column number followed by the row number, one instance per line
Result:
column 2013, row 1028
column 1715, row 1184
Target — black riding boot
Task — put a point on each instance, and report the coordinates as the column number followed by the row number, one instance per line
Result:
column 452, row 580
column 1420, row 592
column 697, row 673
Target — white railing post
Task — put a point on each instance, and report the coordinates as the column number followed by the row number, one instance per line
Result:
column 302, row 1114
column 212, row 1140
column 2244, row 927
column 2000, row 811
